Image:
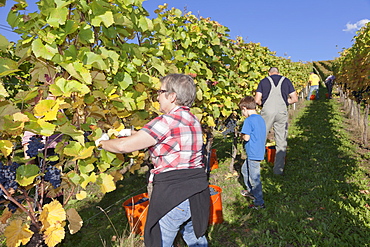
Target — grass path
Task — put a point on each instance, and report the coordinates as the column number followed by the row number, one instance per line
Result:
column 323, row 200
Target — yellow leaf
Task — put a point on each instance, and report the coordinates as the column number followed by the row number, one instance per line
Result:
column 80, row 196
column 88, row 179
column 6, row 215
column 54, row 234
column 85, row 153
column 106, row 183
column 103, row 166
column 17, row 234
column 3, row 91
column 75, row 221
column 20, row 117
column 6, row 147
column 52, row 213
column 47, row 108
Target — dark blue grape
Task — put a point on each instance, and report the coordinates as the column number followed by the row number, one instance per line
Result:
column 13, row 207
column 34, row 145
column 53, row 175
column 7, row 176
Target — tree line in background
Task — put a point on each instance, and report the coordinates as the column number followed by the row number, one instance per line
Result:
column 101, row 61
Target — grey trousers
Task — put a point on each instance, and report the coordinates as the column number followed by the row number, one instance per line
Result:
column 279, row 121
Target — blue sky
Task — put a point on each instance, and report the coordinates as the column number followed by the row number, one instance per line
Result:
column 311, row 30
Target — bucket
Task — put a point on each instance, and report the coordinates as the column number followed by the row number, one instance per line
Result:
column 327, row 96
column 270, row 154
column 136, row 210
column 215, row 210
column 312, row 97
column 213, row 164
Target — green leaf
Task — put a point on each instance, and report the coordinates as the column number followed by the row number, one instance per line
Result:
column 41, row 127
column 72, row 131
column 45, row 51
column 26, row 174
column 63, row 87
column 95, row 60
column 78, row 71
column 7, row 66
column 86, row 35
column 74, row 177
column 126, row 81
column 107, row 19
column 57, row 16
column 4, row 43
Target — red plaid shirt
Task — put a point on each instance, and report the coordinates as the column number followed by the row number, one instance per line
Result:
column 179, row 139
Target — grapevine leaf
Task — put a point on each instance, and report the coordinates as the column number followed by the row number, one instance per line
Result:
column 6, row 147
column 54, row 234
column 86, row 35
column 17, row 234
column 85, row 167
column 4, row 42
column 52, row 213
column 80, row 196
column 11, row 127
column 57, row 16
column 20, row 117
column 106, row 183
column 126, row 81
column 95, row 60
column 71, row 131
column 6, row 215
column 75, row 220
column 117, row 175
column 45, row 51
column 107, row 19
column 78, row 71
column 63, row 87
column 26, row 174
column 41, row 127
column 103, row 166
column 74, row 177
column 47, row 109
column 87, row 179
column 7, row 66
column 3, row 91
column 85, row 153
column 77, row 151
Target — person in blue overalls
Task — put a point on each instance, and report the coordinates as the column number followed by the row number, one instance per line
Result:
column 274, row 93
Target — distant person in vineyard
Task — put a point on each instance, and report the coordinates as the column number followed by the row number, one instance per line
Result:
column 181, row 196
column 313, row 81
column 274, row 93
column 329, row 82
column 254, row 134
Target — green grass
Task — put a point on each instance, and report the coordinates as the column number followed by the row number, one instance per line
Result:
column 319, row 202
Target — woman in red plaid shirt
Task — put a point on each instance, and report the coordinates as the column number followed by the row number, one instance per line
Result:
column 180, row 198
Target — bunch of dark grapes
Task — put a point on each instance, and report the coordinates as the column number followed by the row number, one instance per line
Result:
column 7, row 176
column 230, row 126
column 53, row 175
column 34, row 145
column 13, row 207
column 86, row 135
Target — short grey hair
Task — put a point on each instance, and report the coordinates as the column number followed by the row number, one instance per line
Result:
column 273, row 70
column 183, row 86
